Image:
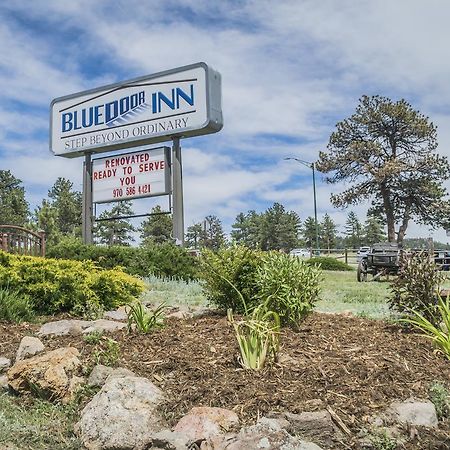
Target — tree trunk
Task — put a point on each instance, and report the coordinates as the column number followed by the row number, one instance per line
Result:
column 390, row 219
column 404, row 225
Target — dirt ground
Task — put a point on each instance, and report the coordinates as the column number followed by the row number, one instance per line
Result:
column 353, row 365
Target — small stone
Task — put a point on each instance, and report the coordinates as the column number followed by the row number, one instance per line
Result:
column 29, row 346
column 4, row 383
column 5, row 363
column 172, row 440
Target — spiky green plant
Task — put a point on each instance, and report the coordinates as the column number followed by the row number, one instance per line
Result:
column 440, row 333
column 144, row 318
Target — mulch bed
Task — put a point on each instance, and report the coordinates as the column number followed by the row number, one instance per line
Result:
column 353, row 365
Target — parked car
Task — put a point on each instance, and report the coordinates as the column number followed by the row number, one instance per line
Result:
column 303, row 252
column 363, row 251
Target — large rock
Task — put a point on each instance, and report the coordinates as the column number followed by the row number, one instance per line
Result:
column 203, row 422
column 104, row 326
column 4, row 383
column 5, row 363
column 122, row 415
column 414, row 412
column 266, row 434
column 29, row 346
column 64, row 327
column 53, row 375
column 118, row 314
column 100, row 374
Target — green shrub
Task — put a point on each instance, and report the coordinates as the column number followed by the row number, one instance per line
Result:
column 328, row 263
column 163, row 260
column 15, row 307
column 440, row 397
column 288, row 286
column 416, row 287
column 234, row 266
column 107, row 352
column 56, row 285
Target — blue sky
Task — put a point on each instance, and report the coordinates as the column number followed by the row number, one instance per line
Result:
column 290, row 71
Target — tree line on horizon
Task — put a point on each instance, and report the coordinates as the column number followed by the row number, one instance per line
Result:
column 59, row 216
column 384, row 152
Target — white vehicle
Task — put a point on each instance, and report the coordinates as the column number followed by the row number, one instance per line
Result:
column 362, row 252
column 302, row 252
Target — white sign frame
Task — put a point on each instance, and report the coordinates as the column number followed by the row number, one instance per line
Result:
column 181, row 102
column 114, row 173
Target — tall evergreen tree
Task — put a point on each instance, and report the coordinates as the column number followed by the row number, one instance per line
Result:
column 353, row 231
column 194, row 235
column 309, row 232
column 328, row 231
column 14, row 209
column 373, row 230
column 386, row 153
column 115, row 231
column 68, row 205
column 46, row 218
column 247, row 229
column 279, row 229
column 213, row 236
column 157, row 228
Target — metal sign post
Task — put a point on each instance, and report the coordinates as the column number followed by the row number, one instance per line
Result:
column 177, row 192
column 87, row 200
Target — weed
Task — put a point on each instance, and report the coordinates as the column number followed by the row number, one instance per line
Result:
column 94, row 337
column 440, row 397
column 108, row 352
column 382, row 441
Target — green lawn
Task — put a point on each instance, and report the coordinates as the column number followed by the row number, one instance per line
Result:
column 342, row 292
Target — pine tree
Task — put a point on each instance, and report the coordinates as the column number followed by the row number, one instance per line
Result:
column 68, row 206
column 247, row 229
column 279, row 229
column 14, row 209
column 46, row 217
column 194, row 235
column 309, row 232
column 213, row 236
column 157, row 228
column 115, row 231
column 328, row 233
column 373, row 230
column 353, row 231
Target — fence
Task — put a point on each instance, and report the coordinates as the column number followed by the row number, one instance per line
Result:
column 14, row 239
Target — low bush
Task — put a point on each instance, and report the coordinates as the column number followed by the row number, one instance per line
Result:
column 163, row 260
column 416, row 287
column 328, row 263
column 288, row 286
column 15, row 307
column 440, row 397
column 228, row 272
column 55, row 285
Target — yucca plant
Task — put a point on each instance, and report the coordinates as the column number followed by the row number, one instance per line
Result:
column 439, row 334
column 144, row 318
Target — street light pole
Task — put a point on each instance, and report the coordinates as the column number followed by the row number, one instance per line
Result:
column 313, row 168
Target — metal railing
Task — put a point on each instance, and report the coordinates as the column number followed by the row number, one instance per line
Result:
column 14, row 239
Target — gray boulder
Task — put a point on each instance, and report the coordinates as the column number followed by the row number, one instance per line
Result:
column 413, row 412
column 101, row 373
column 122, row 415
column 63, row 327
column 29, row 346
